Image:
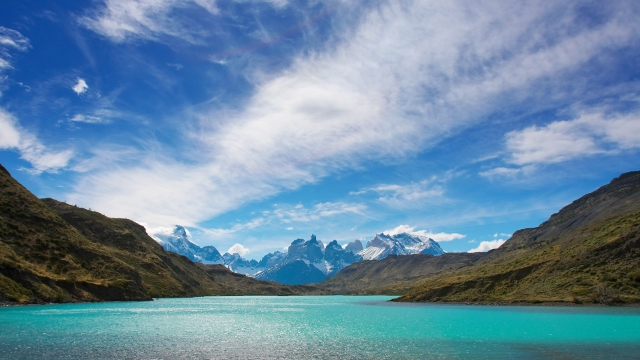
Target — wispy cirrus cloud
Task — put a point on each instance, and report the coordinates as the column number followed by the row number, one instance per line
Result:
column 299, row 213
column 41, row 158
column 411, row 195
column 124, row 20
column 12, row 135
column 326, row 112
column 10, row 40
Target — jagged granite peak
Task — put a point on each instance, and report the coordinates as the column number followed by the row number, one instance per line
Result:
column 272, row 259
column 334, row 252
column 311, row 250
column 238, row 264
column 338, row 258
column 180, row 241
column 354, row 246
column 383, row 245
column 325, row 260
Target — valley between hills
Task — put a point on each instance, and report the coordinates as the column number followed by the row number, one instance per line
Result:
column 587, row 253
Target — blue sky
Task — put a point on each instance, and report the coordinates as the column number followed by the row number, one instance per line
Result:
column 259, row 122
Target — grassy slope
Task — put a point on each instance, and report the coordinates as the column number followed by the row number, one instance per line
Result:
column 43, row 258
column 54, row 252
column 376, row 277
column 587, row 252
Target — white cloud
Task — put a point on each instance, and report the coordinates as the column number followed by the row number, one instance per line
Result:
column 564, row 140
column 88, row 119
column 406, row 195
column 9, row 134
column 10, row 40
column 123, row 20
column 80, row 87
column 159, row 231
column 511, row 172
column 488, row 245
column 238, row 249
column 13, row 39
column 439, row 237
column 299, row 213
column 4, row 64
column 560, row 141
column 30, row 148
column 406, row 77
column 220, row 233
column 289, row 228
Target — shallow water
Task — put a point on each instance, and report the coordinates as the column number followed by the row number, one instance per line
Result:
column 315, row 327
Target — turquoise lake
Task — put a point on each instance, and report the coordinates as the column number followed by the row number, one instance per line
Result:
column 315, row 327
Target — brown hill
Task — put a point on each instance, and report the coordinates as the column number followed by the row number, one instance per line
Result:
column 378, row 276
column 588, row 252
column 54, row 252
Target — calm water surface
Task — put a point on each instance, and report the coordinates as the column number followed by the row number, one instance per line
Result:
column 315, row 327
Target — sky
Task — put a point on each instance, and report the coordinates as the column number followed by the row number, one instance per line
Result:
column 254, row 123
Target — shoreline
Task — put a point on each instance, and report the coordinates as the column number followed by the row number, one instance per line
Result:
column 520, row 303
column 491, row 303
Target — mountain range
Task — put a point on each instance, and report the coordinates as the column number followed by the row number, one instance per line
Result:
column 305, row 261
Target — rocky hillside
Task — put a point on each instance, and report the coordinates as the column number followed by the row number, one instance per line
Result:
column 55, row 252
column 588, row 252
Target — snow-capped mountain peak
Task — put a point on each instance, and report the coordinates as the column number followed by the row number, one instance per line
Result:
column 384, row 245
column 180, row 241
